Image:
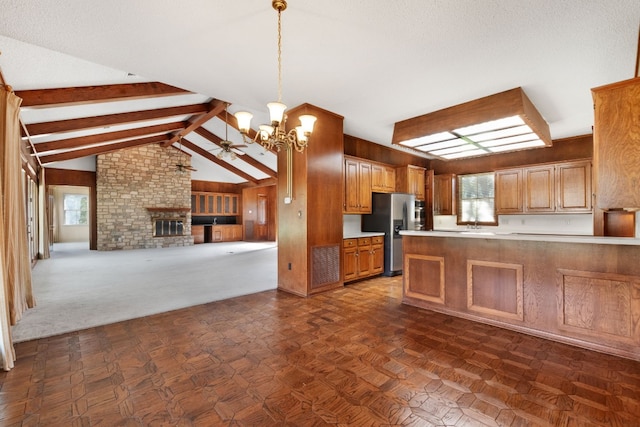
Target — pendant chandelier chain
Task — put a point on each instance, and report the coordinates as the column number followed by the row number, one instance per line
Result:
column 279, row 56
column 274, row 136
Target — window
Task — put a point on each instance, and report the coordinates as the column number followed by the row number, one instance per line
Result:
column 76, row 209
column 476, row 199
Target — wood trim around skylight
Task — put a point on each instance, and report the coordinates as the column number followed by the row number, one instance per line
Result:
column 491, row 108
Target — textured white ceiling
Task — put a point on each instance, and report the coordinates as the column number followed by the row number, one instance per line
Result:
column 372, row 62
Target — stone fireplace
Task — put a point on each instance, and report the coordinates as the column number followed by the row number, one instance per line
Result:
column 138, row 190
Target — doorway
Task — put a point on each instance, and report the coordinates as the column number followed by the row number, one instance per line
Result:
column 69, row 214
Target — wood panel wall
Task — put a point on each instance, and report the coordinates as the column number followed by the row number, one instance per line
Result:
column 579, row 147
column 215, row 187
column 310, row 227
column 250, row 210
column 364, row 149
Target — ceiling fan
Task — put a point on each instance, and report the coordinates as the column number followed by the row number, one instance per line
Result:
column 181, row 167
column 226, row 147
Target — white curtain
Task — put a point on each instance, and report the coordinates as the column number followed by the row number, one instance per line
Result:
column 16, row 293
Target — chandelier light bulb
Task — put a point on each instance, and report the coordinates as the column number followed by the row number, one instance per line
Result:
column 244, row 120
column 276, row 112
column 306, row 122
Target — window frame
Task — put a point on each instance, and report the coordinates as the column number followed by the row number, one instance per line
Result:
column 459, row 206
column 65, row 210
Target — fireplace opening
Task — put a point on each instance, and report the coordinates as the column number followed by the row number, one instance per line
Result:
column 163, row 227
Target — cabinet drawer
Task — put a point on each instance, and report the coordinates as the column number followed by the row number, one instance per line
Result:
column 377, row 240
column 350, row 243
column 364, row 241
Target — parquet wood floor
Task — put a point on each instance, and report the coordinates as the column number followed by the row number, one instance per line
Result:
column 353, row 356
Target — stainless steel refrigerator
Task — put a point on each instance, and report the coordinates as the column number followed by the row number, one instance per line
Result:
column 391, row 213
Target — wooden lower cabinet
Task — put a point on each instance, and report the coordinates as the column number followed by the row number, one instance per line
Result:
column 584, row 294
column 226, row 233
column 197, row 231
column 216, row 233
column 362, row 257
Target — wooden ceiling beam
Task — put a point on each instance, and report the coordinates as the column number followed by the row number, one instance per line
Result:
column 246, row 158
column 204, row 153
column 75, row 143
column 41, row 98
column 114, row 119
column 101, row 149
column 215, row 107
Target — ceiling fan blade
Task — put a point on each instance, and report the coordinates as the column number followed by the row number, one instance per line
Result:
column 238, row 146
column 238, row 152
column 185, row 167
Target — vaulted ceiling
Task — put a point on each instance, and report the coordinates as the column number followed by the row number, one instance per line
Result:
column 98, row 75
column 175, row 117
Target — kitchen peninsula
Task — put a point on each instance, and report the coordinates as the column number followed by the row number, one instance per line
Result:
column 580, row 290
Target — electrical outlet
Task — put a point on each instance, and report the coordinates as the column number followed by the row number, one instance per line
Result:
column 522, row 221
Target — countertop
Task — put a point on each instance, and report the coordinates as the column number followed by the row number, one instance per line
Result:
column 486, row 234
column 358, row 234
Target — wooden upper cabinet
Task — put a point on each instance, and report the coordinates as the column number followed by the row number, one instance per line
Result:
column 547, row 188
column 411, row 179
column 573, row 186
column 205, row 203
column 357, row 186
column 616, row 140
column 444, row 194
column 509, row 191
column 539, row 189
column 383, row 178
column 365, row 187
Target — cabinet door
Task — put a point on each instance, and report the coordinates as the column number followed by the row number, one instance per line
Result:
column 365, row 261
column 539, row 191
column 235, row 205
column 194, row 203
column 202, row 203
column 197, row 231
column 573, row 186
column 218, row 205
column 216, row 234
column 377, row 255
column 377, row 178
column 350, row 259
column 444, row 194
column 615, row 144
column 389, row 179
column 364, row 187
column 509, row 191
column 351, row 186
column 416, row 182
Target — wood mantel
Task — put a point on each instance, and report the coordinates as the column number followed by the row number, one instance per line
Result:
column 170, row 209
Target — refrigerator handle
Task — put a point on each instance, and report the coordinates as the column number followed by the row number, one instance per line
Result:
column 404, row 216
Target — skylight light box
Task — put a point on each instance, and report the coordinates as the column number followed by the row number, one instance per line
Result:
column 506, row 121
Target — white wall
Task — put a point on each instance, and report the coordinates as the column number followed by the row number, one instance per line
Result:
column 573, row 224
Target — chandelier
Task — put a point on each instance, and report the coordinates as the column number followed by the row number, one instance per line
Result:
column 275, row 136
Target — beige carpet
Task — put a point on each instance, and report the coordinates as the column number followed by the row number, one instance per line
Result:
column 78, row 289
